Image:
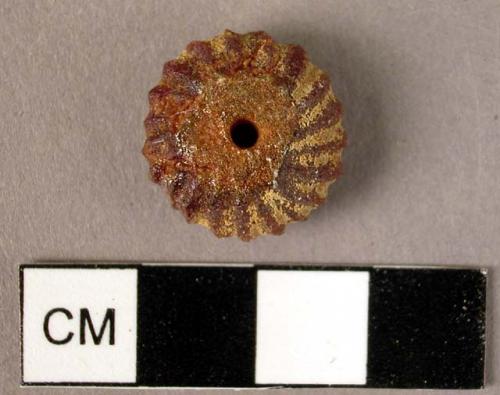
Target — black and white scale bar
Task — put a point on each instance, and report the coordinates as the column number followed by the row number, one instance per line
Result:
column 252, row 326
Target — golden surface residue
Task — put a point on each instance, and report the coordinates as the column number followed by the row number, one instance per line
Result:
column 281, row 54
column 277, row 201
column 277, row 212
column 322, row 189
column 218, row 45
column 314, row 112
column 334, row 133
column 184, row 55
column 306, row 187
column 261, row 58
column 202, row 220
column 227, row 227
column 306, row 82
column 319, row 188
column 311, row 160
column 256, row 225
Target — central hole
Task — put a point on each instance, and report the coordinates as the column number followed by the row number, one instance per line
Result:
column 244, row 133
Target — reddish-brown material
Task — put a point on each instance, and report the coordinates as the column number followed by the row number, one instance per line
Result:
column 203, row 95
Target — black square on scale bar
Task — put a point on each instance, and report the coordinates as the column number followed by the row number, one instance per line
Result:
column 196, row 326
column 426, row 328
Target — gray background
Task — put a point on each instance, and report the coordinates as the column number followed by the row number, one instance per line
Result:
column 420, row 82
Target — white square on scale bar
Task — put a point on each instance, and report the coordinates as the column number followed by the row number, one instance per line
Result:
column 312, row 327
column 79, row 325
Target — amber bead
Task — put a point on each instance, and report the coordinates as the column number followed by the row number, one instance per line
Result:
column 244, row 133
